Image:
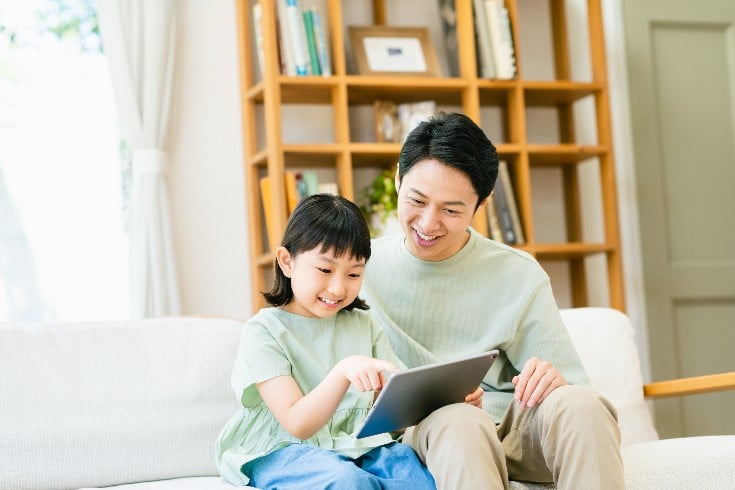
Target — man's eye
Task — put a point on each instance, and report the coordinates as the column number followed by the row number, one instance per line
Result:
column 355, row 275
column 415, row 200
column 451, row 211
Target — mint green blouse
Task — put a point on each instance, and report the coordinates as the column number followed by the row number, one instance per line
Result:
column 275, row 343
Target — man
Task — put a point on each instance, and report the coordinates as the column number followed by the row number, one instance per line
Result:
column 441, row 290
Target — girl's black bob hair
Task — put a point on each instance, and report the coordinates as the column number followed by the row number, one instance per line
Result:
column 329, row 222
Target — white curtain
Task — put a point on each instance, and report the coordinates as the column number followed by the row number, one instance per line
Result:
column 139, row 38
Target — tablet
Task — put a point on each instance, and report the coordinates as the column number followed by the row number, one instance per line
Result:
column 412, row 394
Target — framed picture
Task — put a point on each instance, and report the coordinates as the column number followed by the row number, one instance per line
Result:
column 383, row 50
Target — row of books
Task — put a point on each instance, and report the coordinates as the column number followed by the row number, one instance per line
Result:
column 502, row 210
column 302, row 43
column 298, row 185
column 495, row 52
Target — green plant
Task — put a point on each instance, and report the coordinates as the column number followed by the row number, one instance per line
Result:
column 380, row 197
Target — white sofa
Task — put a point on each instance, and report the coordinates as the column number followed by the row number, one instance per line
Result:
column 139, row 405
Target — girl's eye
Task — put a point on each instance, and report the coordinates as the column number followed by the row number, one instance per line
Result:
column 323, row 270
column 354, row 275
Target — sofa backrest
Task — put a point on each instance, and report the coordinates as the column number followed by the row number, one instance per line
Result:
column 97, row 404
column 603, row 338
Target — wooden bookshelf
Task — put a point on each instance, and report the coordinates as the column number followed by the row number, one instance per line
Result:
column 267, row 151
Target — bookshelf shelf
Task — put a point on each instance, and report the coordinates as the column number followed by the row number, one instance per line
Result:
column 504, row 108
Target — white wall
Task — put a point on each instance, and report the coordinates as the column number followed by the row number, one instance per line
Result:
column 207, row 182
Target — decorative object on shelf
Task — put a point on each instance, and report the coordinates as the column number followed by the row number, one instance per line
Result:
column 394, row 121
column 380, row 200
column 411, row 114
column 381, row 50
column 387, row 125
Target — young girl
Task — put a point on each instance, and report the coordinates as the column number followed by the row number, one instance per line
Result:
column 307, row 368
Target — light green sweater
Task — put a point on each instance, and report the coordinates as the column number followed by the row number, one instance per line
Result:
column 487, row 296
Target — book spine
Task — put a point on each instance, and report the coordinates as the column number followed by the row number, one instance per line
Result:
column 484, row 44
column 492, row 220
column 286, row 46
column 512, row 205
column 501, row 39
column 292, row 191
column 322, row 47
column 297, row 37
column 311, row 42
column 501, row 206
column 265, row 196
column 258, row 31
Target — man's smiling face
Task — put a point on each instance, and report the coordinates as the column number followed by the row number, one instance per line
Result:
column 436, row 204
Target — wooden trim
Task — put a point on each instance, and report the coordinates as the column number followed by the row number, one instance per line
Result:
column 688, row 386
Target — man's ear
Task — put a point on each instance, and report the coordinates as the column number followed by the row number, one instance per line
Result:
column 397, row 180
column 482, row 203
column 283, row 257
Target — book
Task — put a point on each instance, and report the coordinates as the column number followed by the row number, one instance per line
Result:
column 492, row 220
column 507, row 184
column 501, row 39
column 500, row 200
column 311, row 182
column 297, row 37
column 485, row 61
column 448, row 15
column 322, row 47
column 292, row 191
column 285, row 46
column 311, row 43
column 258, row 31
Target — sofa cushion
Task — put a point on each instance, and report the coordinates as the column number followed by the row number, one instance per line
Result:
column 193, row 483
column 705, row 462
column 603, row 338
column 96, row 404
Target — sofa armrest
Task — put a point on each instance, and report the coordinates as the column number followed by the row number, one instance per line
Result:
column 689, row 386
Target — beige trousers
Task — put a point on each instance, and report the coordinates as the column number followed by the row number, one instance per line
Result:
column 571, row 439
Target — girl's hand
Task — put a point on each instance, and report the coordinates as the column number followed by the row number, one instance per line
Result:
column 537, row 379
column 365, row 373
column 475, row 398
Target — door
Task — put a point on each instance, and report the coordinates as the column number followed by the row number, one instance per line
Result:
column 681, row 69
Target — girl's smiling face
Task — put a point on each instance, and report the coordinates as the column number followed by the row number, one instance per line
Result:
column 436, row 204
column 322, row 283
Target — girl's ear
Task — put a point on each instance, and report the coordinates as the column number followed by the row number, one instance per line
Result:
column 283, row 257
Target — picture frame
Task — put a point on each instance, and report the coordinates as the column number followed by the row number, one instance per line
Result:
column 385, row 50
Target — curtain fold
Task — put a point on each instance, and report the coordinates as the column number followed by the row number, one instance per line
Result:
column 139, row 38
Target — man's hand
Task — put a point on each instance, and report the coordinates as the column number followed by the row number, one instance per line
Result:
column 475, row 398
column 537, row 379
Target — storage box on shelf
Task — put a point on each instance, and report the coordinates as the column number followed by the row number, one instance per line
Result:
column 504, row 108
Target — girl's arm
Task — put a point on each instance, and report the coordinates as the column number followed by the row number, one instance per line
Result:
column 303, row 415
